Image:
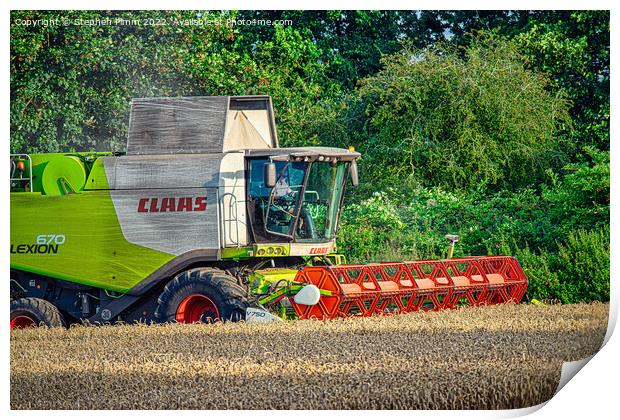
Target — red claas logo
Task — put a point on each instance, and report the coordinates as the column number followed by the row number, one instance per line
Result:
column 170, row 204
column 322, row 250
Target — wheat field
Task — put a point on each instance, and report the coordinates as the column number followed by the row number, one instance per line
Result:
column 507, row 356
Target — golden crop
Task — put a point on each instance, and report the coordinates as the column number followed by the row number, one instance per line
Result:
column 496, row 357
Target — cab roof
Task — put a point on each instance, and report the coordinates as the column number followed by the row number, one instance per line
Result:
column 311, row 152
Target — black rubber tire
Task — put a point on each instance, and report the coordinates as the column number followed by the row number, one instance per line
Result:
column 39, row 310
column 228, row 296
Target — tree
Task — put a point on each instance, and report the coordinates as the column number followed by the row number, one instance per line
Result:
column 352, row 41
column 459, row 118
column 71, row 85
column 572, row 47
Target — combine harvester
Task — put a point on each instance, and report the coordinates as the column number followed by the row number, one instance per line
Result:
column 205, row 218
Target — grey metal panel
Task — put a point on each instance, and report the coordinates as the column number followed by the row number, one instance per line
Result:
column 163, row 171
column 177, row 125
column 109, row 164
column 173, row 231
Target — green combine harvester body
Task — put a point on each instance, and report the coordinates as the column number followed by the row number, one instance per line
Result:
column 203, row 218
column 69, row 230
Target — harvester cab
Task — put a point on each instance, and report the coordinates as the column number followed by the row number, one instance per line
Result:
column 296, row 197
column 203, row 218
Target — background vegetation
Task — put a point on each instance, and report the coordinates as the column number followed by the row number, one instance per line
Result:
column 492, row 125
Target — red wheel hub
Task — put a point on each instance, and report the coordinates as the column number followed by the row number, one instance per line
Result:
column 22, row 321
column 197, row 308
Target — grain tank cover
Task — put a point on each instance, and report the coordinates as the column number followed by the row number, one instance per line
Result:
column 62, row 175
column 202, row 124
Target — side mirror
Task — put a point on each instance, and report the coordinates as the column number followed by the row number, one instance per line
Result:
column 269, row 174
column 353, row 171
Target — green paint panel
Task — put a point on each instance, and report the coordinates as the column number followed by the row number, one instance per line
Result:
column 91, row 162
column 63, row 174
column 85, row 233
column 97, row 179
column 237, row 253
column 260, row 280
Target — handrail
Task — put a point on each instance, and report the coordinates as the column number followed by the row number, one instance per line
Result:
column 232, row 204
column 21, row 155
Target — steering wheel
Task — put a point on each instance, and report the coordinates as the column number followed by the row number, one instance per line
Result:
column 290, row 202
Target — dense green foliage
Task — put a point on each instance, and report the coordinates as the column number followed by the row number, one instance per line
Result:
column 71, row 85
column 493, row 125
column 459, row 118
column 573, row 48
column 547, row 235
column 578, row 272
